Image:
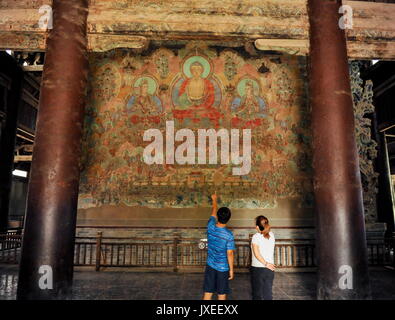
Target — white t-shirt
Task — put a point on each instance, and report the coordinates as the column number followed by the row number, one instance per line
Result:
column 266, row 249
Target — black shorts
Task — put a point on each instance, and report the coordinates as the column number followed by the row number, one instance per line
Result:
column 216, row 281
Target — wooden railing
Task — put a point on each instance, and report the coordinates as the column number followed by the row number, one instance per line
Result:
column 183, row 253
column 10, row 247
column 178, row 252
column 381, row 252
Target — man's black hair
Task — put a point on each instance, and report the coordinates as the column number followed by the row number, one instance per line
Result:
column 223, row 215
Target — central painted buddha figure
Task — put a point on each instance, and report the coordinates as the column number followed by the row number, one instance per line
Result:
column 196, row 91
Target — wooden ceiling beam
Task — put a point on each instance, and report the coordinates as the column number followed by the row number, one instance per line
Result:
column 126, row 24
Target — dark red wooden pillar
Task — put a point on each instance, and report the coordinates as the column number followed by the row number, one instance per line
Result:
column 337, row 184
column 53, row 188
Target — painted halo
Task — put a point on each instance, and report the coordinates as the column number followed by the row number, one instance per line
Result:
column 241, row 87
column 186, row 67
column 152, row 85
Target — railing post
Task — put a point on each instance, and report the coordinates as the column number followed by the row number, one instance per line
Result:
column 98, row 249
column 175, row 252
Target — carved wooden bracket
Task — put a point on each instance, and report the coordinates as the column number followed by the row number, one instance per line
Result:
column 290, row 46
column 106, row 42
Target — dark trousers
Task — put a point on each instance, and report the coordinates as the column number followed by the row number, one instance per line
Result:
column 262, row 283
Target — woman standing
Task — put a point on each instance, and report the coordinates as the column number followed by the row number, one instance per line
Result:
column 262, row 265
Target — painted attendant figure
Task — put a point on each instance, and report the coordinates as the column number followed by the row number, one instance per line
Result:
column 249, row 103
column 144, row 102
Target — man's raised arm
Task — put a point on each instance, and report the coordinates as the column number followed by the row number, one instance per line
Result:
column 215, row 205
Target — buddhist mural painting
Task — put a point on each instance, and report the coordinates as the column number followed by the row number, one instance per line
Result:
column 196, row 87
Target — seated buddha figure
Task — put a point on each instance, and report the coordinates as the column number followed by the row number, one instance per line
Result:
column 196, row 91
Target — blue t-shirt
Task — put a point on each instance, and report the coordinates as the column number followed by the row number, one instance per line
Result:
column 219, row 241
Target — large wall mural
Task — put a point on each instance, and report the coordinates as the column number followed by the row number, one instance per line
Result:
column 196, row 87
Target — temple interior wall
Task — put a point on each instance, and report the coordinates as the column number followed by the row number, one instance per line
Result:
column 195, row 86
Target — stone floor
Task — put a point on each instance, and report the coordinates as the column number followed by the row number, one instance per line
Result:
column 187, row 286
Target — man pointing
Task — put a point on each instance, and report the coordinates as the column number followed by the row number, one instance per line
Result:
column 220, row 256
